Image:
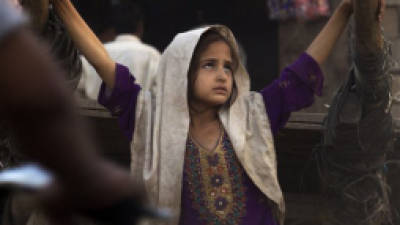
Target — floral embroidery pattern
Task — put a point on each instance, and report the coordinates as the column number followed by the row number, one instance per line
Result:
column 215, row 181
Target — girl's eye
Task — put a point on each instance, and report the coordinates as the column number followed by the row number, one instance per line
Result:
column 228, row 69
column 208, row 65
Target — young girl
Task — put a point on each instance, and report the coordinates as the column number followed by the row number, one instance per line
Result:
column 202, row 143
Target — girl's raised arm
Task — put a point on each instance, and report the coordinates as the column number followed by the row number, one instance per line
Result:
column 323, row 44
column 86, row 40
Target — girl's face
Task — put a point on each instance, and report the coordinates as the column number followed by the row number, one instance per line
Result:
column 214, row 76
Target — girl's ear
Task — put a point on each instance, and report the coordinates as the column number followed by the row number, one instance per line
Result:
column 190, row 85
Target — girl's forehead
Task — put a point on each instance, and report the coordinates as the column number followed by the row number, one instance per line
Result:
column 217, row 49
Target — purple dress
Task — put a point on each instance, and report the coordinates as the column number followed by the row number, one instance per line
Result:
column 245, row 204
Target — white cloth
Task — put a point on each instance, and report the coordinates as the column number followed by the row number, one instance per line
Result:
column 141, row 59
column 162, row 125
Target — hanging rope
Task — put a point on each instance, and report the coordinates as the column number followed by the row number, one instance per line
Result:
column 358, row 133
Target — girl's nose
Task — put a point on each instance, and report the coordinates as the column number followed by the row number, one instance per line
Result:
column 221, row 74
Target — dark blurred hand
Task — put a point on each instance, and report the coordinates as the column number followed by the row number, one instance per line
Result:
column 40, row 109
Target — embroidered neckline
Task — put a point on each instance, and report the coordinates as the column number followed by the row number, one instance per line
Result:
column 217, row 143
column 215, row 182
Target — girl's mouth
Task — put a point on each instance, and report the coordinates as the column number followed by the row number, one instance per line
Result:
column 220, row 90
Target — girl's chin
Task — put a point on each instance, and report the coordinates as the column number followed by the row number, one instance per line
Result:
column 212, row 102
column 218, row 103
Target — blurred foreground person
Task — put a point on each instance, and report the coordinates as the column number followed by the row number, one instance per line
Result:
column 38, row 107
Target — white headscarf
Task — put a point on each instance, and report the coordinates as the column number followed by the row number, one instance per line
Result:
column 162, row 126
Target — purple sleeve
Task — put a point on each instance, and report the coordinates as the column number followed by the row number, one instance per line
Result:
column 293, row 90
column 121, row 100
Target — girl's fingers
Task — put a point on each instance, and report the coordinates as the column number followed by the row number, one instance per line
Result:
column 382, row 7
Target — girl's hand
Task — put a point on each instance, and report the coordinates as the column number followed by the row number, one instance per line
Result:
column 60, row 4
column 63, row 7
column 381, row 10
column 348, row 4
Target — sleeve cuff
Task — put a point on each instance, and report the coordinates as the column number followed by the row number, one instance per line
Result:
column 110, row 98
column 309, row 72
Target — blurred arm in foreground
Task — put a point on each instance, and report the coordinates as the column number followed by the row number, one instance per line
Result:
column 39, row 108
